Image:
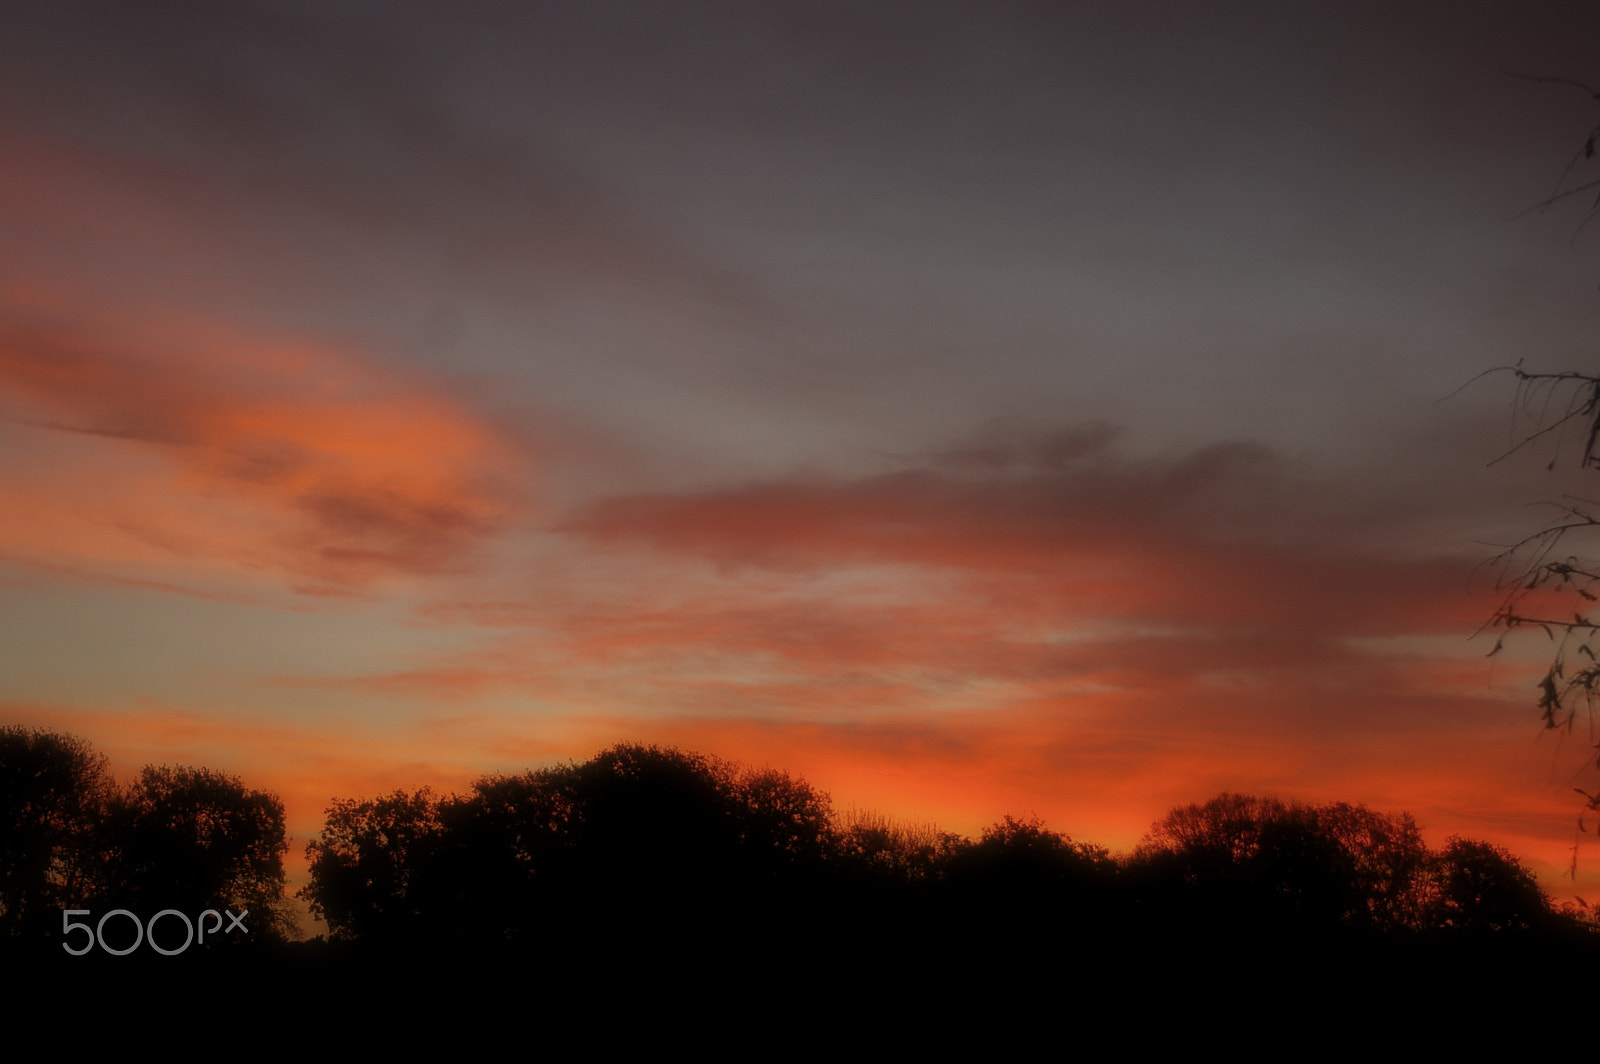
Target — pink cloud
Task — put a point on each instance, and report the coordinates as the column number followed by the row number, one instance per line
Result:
column 1222, row 537
column 175, row 445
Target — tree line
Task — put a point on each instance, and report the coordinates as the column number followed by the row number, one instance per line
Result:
column 642, row 838
column 645, row 847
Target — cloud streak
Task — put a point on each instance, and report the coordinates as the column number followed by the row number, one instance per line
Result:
column 1222, row 536
column 302, row 460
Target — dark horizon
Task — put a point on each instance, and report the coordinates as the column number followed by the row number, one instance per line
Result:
column 665, row 888
column 683, row 838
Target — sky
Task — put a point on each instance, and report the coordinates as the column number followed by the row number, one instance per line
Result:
column 1067, row 409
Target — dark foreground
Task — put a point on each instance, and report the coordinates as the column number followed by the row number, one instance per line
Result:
column 943, row 982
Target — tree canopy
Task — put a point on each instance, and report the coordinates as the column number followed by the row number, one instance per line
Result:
column 639, row 831
column 54, row 793
column 1481, row 887
column 642, row 841
column 189, row 839
column 193, row 839
column 1266, row 861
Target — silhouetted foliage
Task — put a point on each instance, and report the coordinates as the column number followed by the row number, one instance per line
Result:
column 366, row 867
column 1272, row 865
column 661, row 870
column 657, row 817
column 1480, row 887
column 649, row 836
column 870, row 845
column 1262, row 860
column 54, row 792
column 1385, row 855
column 1024, row 856
column 193, row 839
column 175, row 838
column 657, row 876
column 783, row 822
column 1053, row 890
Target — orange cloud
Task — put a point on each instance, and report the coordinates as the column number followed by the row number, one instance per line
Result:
column 176, row 445
column 1220, row 537
column 1050, row 569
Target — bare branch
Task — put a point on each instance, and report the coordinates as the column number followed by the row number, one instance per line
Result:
column 1593, row 93
column 1563, row 557
column 1556, row 197
column 1541, row 388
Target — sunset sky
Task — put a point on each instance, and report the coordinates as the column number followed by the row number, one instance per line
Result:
column 974, row 409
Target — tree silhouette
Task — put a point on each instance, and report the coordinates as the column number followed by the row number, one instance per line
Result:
column 783, row 822
column 869, row 845
column 649, row 837
column 1056, row 890
column 176, row 838
column 656, row 817
column 646, row 861
column 54, row 793
column 1385, row 857
column 1267, row 864
column 1480, row 887
column 368, row 866
column 192, row 839
column 1262, row 861
column 1025, row 857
